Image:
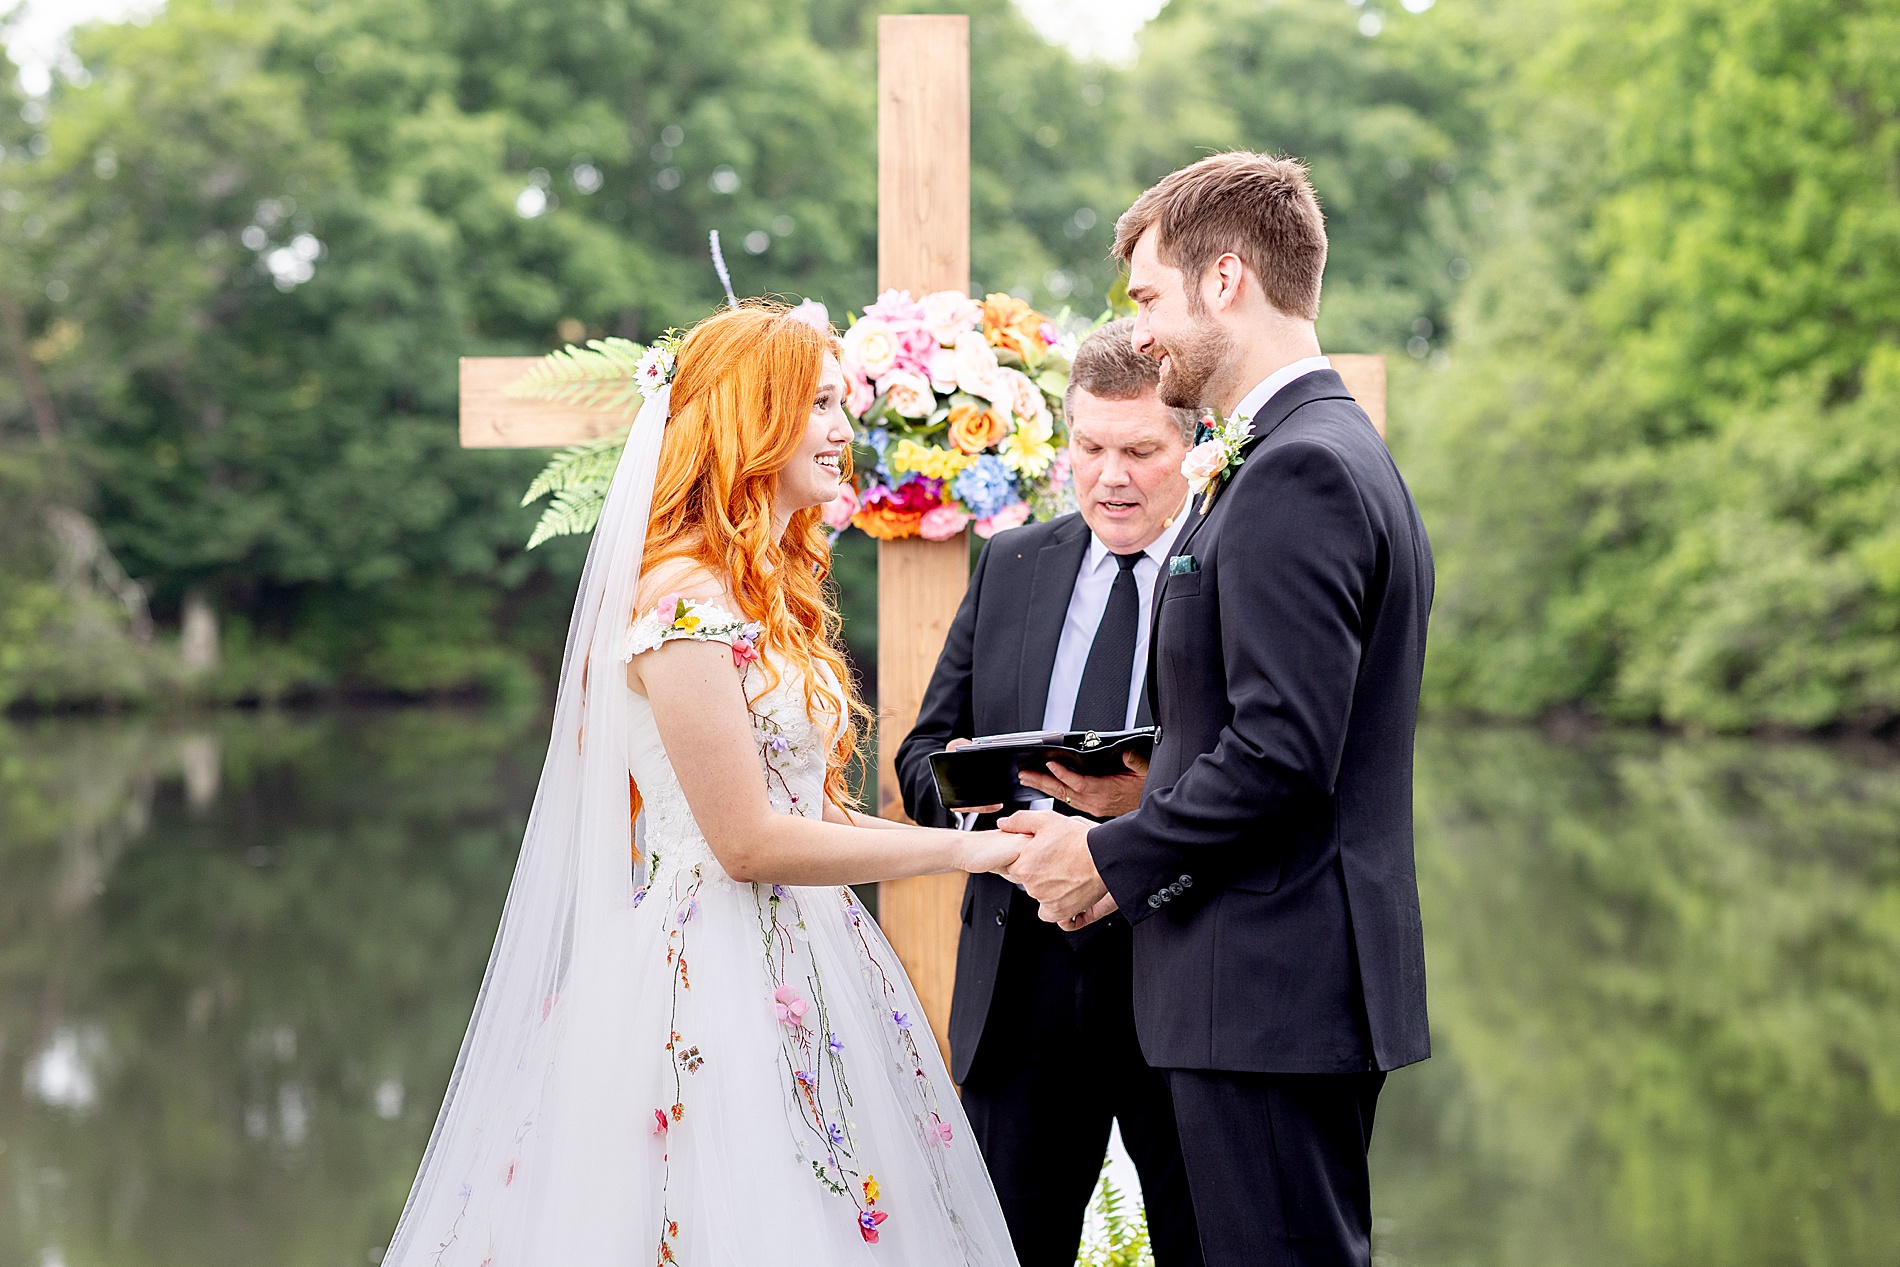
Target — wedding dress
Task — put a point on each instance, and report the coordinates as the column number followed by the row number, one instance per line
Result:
column 668, row 1066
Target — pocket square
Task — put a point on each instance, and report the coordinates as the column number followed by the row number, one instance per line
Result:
column 1182, row 564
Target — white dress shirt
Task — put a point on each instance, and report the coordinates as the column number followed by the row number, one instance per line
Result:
column 1268, row 387
column 1087, row 602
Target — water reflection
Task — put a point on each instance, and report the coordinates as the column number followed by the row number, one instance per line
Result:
column 236, row 958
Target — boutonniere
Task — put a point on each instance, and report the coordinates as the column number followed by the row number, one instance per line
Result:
column 1209, row 463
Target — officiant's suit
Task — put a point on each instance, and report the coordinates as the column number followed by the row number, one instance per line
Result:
column 1042, row 1033
column 1268, row 872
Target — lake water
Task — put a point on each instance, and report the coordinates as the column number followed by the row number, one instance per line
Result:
column 237, row 954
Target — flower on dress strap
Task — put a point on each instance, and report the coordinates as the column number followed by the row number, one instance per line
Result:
column 790, row 1006
column 837, row 1045
column 659, row 1122
column 901, row 1019
column 941, row 1129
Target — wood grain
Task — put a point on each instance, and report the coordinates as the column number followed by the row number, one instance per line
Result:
column 923, row 245
column 919, row 584
column 492, row 419
column 1365, row 379
column 923, row 153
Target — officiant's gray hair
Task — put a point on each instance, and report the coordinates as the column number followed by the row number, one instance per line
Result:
column 1107, row 365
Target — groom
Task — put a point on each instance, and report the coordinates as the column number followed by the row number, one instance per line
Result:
column 1268, row 872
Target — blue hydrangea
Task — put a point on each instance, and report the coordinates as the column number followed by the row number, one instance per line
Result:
column 985, row 486
column 880, row 441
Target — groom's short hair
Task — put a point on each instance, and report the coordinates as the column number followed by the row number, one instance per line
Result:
column 1260, row 207
column 1107, row 366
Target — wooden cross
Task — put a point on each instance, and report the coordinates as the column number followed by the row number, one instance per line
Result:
column 923, row 245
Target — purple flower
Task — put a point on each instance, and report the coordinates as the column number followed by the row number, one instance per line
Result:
column 837, row 1045
column 688, row 911
column 806, row 1077
column 779, row 743
column 778, row 891
column 640, row 895
column 902, row 1019
column 837, row 1134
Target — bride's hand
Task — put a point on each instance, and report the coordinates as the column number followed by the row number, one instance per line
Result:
column 987, row 850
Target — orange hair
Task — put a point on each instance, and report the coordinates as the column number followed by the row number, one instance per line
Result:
column 742, row 400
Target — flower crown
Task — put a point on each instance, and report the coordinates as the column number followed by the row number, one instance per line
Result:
column 659, row 364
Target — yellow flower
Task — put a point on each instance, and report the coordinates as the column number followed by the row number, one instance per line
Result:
column 1029, row 449
column 871, row 1190
column 926, row 459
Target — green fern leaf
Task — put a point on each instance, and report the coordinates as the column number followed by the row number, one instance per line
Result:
column 573, row 511
column 578, row 466
column 598, row 376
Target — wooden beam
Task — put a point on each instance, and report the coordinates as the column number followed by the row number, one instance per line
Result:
column 492, row 419
column 1365, row 379
column 923, row 245
column 923, row 153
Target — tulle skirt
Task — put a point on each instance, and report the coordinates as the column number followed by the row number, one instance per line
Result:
column 776, row 1098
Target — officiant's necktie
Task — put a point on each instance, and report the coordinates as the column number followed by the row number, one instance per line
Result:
column 1101, row 702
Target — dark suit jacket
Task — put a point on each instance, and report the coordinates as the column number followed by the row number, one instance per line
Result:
column 1269, row 871
column 992, row 678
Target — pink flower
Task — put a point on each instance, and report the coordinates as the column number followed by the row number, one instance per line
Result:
column 1203, row 462
column 941, row 1129
column 743, row 652
column 1050, row 336
column 867, row 1224
column 790, row 1006
column 813, row 314
column 897, row 308
column 909, row 393
column 838, row 510
column 942, row 368
column 870, row 347
column 861, row 395
column 914, row 348
column 942, row 523
column 1023, row 398
column 1060, row 472
column 1014, row 516
column 659, row 1122
column 948, row 313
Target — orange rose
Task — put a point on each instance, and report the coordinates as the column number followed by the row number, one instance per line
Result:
column 974, row 428
column 1013, row 325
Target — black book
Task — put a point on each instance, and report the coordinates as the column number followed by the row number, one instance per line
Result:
column 984, row 771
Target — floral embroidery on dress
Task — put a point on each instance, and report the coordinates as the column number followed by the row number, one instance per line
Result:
column 674, row 617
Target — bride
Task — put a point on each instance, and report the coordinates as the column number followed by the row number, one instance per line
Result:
column 711, row 1058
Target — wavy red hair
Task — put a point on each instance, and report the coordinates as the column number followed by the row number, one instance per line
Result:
column 742, row 400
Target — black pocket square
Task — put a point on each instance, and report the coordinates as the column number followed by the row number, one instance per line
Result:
column 1182, row 564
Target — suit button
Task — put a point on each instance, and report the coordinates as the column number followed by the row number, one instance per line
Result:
column 1154, row 901
column 1002, row 916
column 1186, row 882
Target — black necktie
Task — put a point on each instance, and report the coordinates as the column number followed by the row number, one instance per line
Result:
column 1101, row 702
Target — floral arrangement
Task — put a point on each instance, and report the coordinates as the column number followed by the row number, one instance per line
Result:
column 960, row 401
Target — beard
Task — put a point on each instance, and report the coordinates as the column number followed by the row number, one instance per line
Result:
column 1193, row 360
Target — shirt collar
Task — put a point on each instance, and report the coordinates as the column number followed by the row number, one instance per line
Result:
column 1156, row 549
column 1268, row 387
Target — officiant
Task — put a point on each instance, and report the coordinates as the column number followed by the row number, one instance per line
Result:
column 1052, row 635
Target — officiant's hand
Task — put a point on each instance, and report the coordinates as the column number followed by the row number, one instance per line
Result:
column 1103, row 796
column 1055, row 866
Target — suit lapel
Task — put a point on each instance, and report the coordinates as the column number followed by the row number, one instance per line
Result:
column 1057, row 566
column 1304, row 390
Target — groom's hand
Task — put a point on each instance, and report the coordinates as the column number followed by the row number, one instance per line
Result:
column 1104, row 796
column 1055, row 866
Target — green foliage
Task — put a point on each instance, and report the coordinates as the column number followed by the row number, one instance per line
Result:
column 1660, row 472
column 1120, row 1235
column 578, row 477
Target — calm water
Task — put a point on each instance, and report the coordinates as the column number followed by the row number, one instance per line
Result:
column 236, row 957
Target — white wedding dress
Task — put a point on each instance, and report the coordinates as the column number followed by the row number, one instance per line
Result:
column 671, row 1067
column 800, row 1110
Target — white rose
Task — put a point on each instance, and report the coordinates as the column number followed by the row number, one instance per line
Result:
column 871, row 347
column 908, row 393
column 976, row 364
column 1020, row 396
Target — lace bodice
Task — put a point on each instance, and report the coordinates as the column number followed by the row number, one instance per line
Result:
column 792, row 744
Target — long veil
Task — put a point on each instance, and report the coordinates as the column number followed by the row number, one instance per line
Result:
column 523, row 1165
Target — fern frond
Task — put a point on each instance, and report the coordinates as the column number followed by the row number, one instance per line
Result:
column 578, row 466
column 571, row 512
column 598, row 376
